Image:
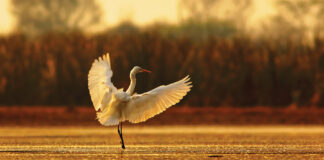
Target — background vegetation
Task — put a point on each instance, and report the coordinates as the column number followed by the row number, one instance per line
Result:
column 228, row 66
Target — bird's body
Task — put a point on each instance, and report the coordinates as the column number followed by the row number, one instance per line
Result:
column 114, row 105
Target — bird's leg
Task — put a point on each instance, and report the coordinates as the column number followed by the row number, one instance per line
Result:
column 118, row 132
column 121, row 130
column 121, row 135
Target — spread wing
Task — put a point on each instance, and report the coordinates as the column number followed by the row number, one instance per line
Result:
column 99, row 82
column 144, row 106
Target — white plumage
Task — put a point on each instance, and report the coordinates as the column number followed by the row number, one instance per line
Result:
column 116, row 106
column 144, row 106
column 99, row 82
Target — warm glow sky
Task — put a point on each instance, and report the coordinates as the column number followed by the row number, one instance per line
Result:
column 141, row 12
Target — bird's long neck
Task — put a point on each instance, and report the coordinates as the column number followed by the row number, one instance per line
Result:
column 132, row 84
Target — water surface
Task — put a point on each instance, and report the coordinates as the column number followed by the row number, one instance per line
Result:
column 167, row 142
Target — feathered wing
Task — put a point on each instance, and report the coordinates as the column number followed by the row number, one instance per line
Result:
column 99, row 82
column 144, row 106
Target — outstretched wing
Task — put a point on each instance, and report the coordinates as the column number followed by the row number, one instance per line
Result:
column 99, row 82
column 144, row 106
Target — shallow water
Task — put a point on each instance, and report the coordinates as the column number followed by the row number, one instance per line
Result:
column 167, row 142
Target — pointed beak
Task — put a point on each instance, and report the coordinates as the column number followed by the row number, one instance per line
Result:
column 144, row 70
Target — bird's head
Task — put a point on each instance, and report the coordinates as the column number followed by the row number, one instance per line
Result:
column 138, row 69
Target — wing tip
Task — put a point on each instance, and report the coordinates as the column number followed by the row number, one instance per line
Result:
column 187, row 81
column 100, row 60
column 187, row 78
column 104, row 57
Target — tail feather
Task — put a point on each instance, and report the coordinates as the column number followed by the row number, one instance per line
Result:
column 107, row 117
column 107, row 120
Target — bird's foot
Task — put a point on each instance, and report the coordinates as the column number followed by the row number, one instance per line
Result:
column 122, row 145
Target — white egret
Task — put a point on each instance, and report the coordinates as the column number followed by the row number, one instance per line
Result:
column 115, row 106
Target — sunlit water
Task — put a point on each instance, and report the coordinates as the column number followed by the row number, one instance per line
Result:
column 163, row 142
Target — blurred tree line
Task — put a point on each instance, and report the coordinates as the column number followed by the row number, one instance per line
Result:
column 35, row 17
column 228, row 67
column 53, row 69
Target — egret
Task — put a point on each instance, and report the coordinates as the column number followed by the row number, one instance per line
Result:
column 115, row 106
